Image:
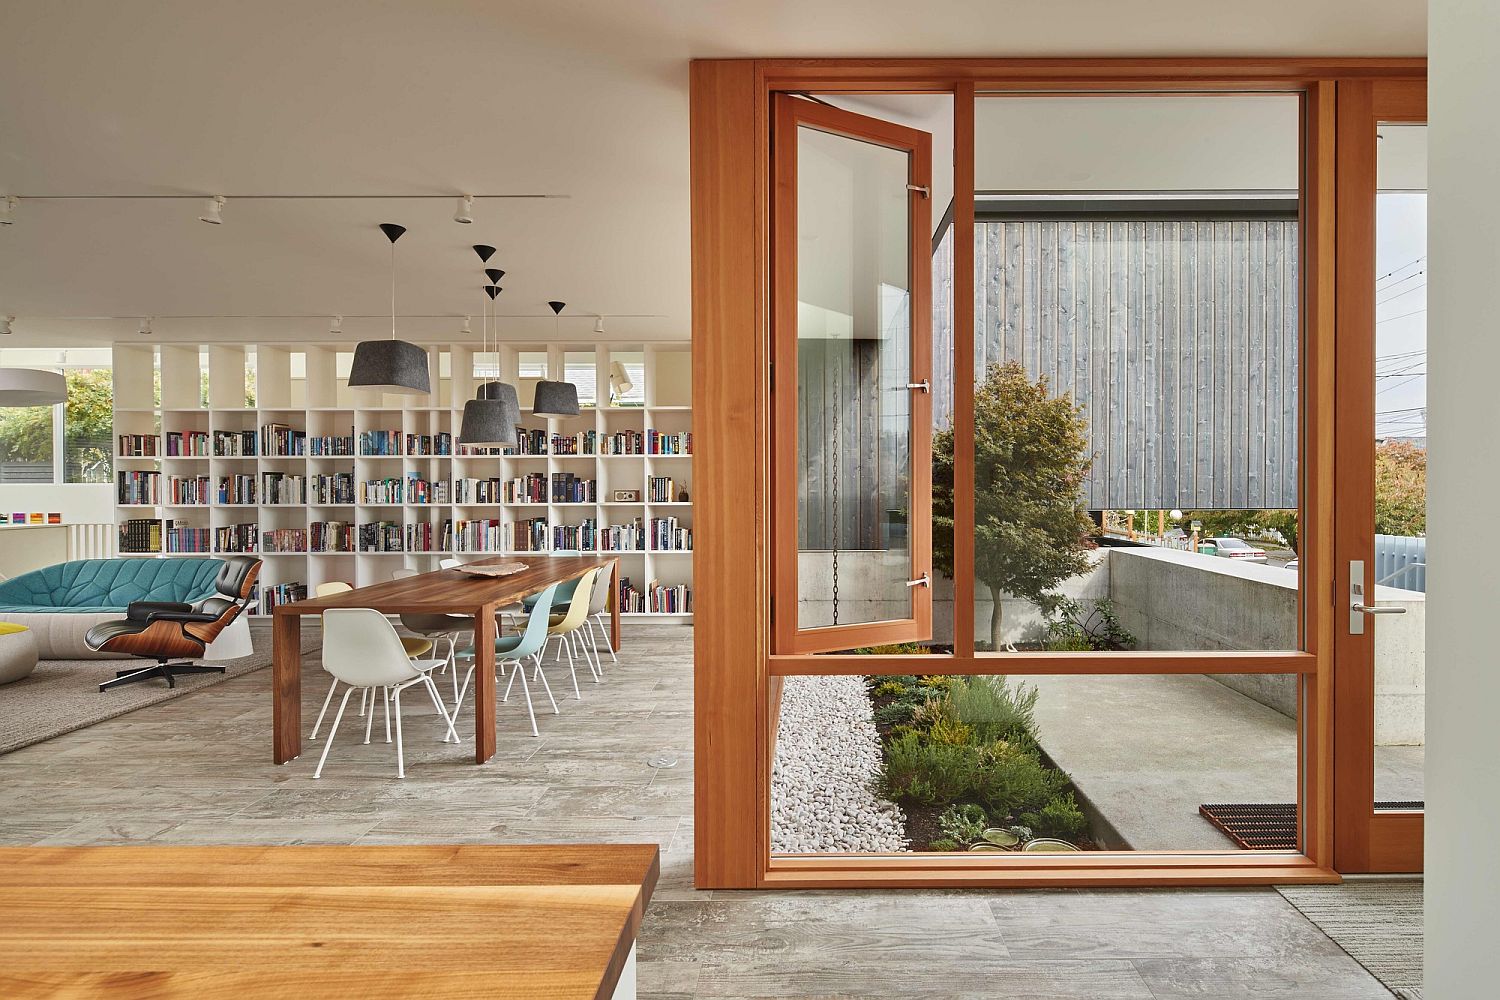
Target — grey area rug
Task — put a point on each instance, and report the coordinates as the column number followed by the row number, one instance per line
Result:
column 61, row 696
column 1377, row 921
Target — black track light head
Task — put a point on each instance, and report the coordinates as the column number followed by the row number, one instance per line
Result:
column 492, row 291
column 484, row 252
column 557, row 307
column 392, row 231
column 494, row 274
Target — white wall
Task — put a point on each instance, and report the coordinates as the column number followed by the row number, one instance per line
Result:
column 1463, row 689
column 79, row 503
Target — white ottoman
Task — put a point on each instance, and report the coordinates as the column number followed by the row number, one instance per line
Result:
column 17, row 652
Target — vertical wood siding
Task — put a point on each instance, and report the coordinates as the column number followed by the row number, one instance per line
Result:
column 1177, row 337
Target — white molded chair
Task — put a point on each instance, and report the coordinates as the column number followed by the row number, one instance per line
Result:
column 361, row 648
column 598, row 618
column 414, row 647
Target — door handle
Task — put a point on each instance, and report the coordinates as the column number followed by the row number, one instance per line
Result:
column 922, row 581
column 1357, row 606
column 922, row 386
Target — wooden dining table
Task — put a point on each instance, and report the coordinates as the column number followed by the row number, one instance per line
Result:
column 446, row 591
column 325, row 922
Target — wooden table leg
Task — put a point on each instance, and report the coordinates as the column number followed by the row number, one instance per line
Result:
column 614, row 605
column 484, row 684
column 286, row 687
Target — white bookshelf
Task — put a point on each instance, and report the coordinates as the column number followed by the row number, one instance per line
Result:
column 203, row 389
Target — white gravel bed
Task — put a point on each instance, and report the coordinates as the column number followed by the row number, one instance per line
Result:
column 823, row 791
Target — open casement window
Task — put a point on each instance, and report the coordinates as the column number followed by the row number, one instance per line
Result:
column 851, row 329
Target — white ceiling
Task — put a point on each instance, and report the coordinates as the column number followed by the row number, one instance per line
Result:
column 581, row 98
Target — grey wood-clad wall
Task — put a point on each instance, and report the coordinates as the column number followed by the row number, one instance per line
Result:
column 838, row 441
column 1177, row 337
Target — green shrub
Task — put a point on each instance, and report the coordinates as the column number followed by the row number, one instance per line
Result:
column 946, row 730
column 928, row 773
column 1079, row 629
column 1060, row 818
column 993, row 709
column 946, row 844
column 889, row 689
column 895, row 714
column 1010, row 779
column 893, row 649
column 963, row 825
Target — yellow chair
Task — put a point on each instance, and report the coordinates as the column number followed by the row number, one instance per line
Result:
column 566, row 625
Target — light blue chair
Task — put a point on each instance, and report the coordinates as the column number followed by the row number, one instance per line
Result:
column 510, row 650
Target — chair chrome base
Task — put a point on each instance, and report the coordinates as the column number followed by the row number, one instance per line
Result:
column 171, row 671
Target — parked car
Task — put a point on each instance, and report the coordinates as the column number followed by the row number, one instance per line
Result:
column 1294, row 565
column 1237, row 548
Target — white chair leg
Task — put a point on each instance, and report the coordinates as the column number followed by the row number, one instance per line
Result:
column 608, row 640
column 364, row 697
column 548, row 688
column 453, row 663
column 400, row 757
column 437, row 702
column 462, row 691
column 324, row 711
column 369, row 722
column 332, row 733
column 387, row 693
column 506, row 696
column 593, row 662
column 525, row 691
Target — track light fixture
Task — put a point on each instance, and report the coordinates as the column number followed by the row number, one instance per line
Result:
column 8, row 210
column 145, row 330
column 5, row 322
column 598, row 324
column 213, row 211
column 464, row 213
column 464, row 327
column 336, row 325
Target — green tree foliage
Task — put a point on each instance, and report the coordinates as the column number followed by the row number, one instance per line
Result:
column 26, row 433
column 1030, row 461
column 1246, row 523
column 1400, row 489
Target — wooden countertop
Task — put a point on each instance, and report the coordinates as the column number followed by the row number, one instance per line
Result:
column 546, row 921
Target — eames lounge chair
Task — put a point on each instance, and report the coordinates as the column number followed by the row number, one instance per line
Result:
column 165, row 631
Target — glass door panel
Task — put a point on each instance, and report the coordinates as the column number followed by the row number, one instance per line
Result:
column 1400, row 555
column 852, row 337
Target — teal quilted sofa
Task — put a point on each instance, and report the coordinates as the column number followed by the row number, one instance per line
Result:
column 60, row 603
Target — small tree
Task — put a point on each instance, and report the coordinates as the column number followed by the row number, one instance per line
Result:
column 1030, row 460
column 1400, row 489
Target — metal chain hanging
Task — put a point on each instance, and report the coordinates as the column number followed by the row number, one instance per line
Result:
column 838, row 390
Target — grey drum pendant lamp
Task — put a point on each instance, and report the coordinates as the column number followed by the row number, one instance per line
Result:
column 491, row 417
column 555, row 399
column 390, row 365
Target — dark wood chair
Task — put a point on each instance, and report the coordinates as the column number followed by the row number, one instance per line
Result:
column 164, row 631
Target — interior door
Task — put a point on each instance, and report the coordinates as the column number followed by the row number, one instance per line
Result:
column 1380, row 503
column 851, row 347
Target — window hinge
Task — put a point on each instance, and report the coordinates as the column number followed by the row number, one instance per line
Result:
column 773, row 376
column 925, row 192
column 922, row 386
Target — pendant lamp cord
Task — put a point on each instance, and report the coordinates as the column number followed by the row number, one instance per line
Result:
column 393, row 289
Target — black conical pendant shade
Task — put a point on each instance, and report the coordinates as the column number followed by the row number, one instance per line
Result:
column 557, row 307
column 392, row 231
column 492, row 291
column 494, row 274
column 484, row 252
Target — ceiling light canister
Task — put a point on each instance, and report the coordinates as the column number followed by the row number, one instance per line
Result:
column 213, row 211
column 464, row 212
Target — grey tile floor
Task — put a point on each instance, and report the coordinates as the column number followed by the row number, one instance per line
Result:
column 196, row 770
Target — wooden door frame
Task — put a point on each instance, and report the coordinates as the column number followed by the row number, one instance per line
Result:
column 788, row 114
column 736, row 682
column 1364, row 840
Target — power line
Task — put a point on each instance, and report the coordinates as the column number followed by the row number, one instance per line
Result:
column 1392, row 319
column 1398, row 270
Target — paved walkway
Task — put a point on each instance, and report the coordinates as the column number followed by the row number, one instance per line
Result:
column 1147, row 751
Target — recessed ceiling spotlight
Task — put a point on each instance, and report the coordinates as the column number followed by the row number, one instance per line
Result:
column 8, row 210
column 598, row 324
column 336, row 325
column 5, row 322
column 465, row 211
column 213, row 211
column 145, row 330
